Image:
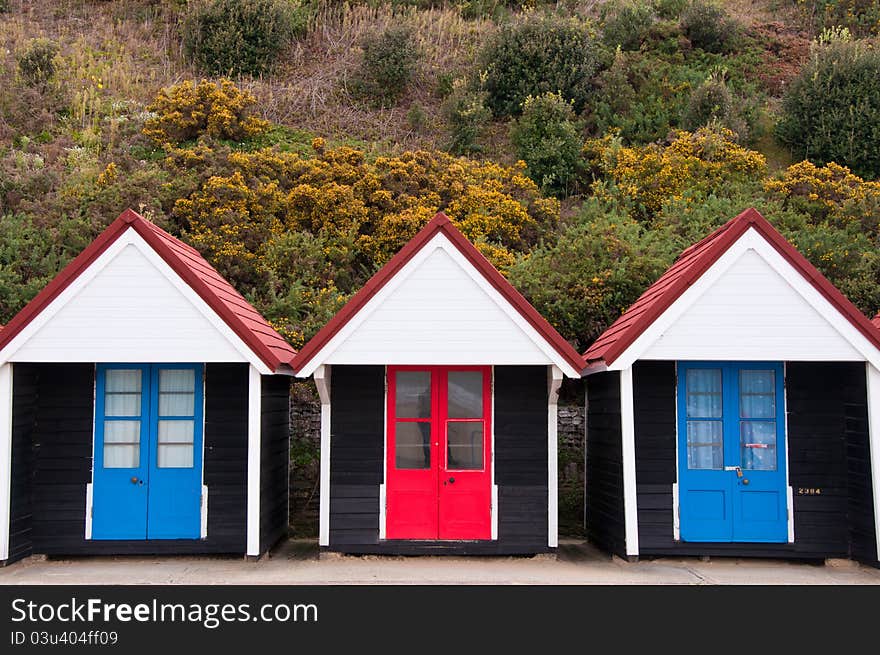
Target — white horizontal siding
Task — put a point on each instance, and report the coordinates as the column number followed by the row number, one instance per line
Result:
column 130, row 311
column 752, row 313
column 438, row 314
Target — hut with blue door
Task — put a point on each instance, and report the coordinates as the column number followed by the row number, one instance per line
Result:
column 143, row 408
column 734, row 409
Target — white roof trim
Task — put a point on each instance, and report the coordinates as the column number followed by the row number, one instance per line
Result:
column 750, row 240
column 439, row 241
column 131, row 238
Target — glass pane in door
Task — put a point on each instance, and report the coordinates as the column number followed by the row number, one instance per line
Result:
column 412, row 394
column 705, row 445
column 122, row 444
column 464, row 445
column 465, row 394
column 757, row 394
column 412, row 445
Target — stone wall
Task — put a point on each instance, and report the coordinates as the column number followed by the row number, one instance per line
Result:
column 305, row 424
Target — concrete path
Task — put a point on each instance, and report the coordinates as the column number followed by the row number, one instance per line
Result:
column 297, row 563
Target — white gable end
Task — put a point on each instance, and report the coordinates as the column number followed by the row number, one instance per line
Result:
column 437, row 310
column 753, row 311
column 129, row 306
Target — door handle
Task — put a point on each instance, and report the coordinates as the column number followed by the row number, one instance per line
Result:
column 134, row 480
column 745, row 480
column 451, row 480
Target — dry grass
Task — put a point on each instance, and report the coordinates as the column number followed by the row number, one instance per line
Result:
column 308, row 91
column 125, row 52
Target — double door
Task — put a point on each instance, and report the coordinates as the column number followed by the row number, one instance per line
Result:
column 148, row 452
column 731, row 454
column 438, row 463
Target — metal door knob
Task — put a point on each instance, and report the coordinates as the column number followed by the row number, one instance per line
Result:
column 451, row 480
column 134, row 480
column 745, row 480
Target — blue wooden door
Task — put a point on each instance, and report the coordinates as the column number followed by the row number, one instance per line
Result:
column 121, row 459
column 175, row 469
column 148, row 452
column 731, row 427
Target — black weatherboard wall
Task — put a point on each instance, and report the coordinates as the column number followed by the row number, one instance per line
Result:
column 54, row 463
column 827, row 451
column 24, row 381
column 274, row 459
column 357, row 451
column 604, row 464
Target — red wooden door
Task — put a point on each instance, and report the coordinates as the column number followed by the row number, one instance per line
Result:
column 439, row 458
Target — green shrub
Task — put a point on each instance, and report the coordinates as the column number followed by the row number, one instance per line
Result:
column 36, row 63
column 713, row 102
column 669, row 9
column 537, row 55
column 709, row 27
column 831, row 111
column 32, row 251
column 387, row 67
column 548, row 138
column 862, row 17
column 626, row 23
column 596, row 268
column 227, row 37
column 4, row 6
column 467, row 115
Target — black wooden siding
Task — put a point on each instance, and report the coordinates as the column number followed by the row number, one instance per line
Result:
column 860, row 496
column 60, row 450
column 827, row 432
column 24, row 393
column 356, row 464
column 274, row 459
column 605, row 524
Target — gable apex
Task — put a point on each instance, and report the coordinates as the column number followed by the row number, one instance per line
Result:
column 315, row 352
column 267, row 348
column 693, row 263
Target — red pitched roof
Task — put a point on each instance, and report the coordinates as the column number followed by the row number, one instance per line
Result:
column 688, row 268
column 236, row 312
column 439, row 224
column 876, row 320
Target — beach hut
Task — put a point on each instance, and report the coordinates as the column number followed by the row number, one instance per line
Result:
column 734, row 409
column 143, row 408
column 439, row 385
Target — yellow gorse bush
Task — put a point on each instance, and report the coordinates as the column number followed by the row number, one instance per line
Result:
column 833, row 187
column 649, row 176
column 375, row 206
column 218, row 109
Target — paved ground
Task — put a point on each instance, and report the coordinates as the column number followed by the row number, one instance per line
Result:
column 298, row 563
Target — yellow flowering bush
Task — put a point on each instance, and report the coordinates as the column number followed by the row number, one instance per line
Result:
column 649, row 176
column 186, row 111
column 380, row 205
column 299, row 234
column 830, row 191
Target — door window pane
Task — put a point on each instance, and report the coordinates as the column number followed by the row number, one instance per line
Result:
column 464, row 445
column 176, row 392
column 704, row 393
column 412, row 445
column 413, row 394
column 175, row 447
column 122, row 392
column 122, row 444
column 465, row 394
column 704, row 445
column 757, row 394
column 758, row 445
